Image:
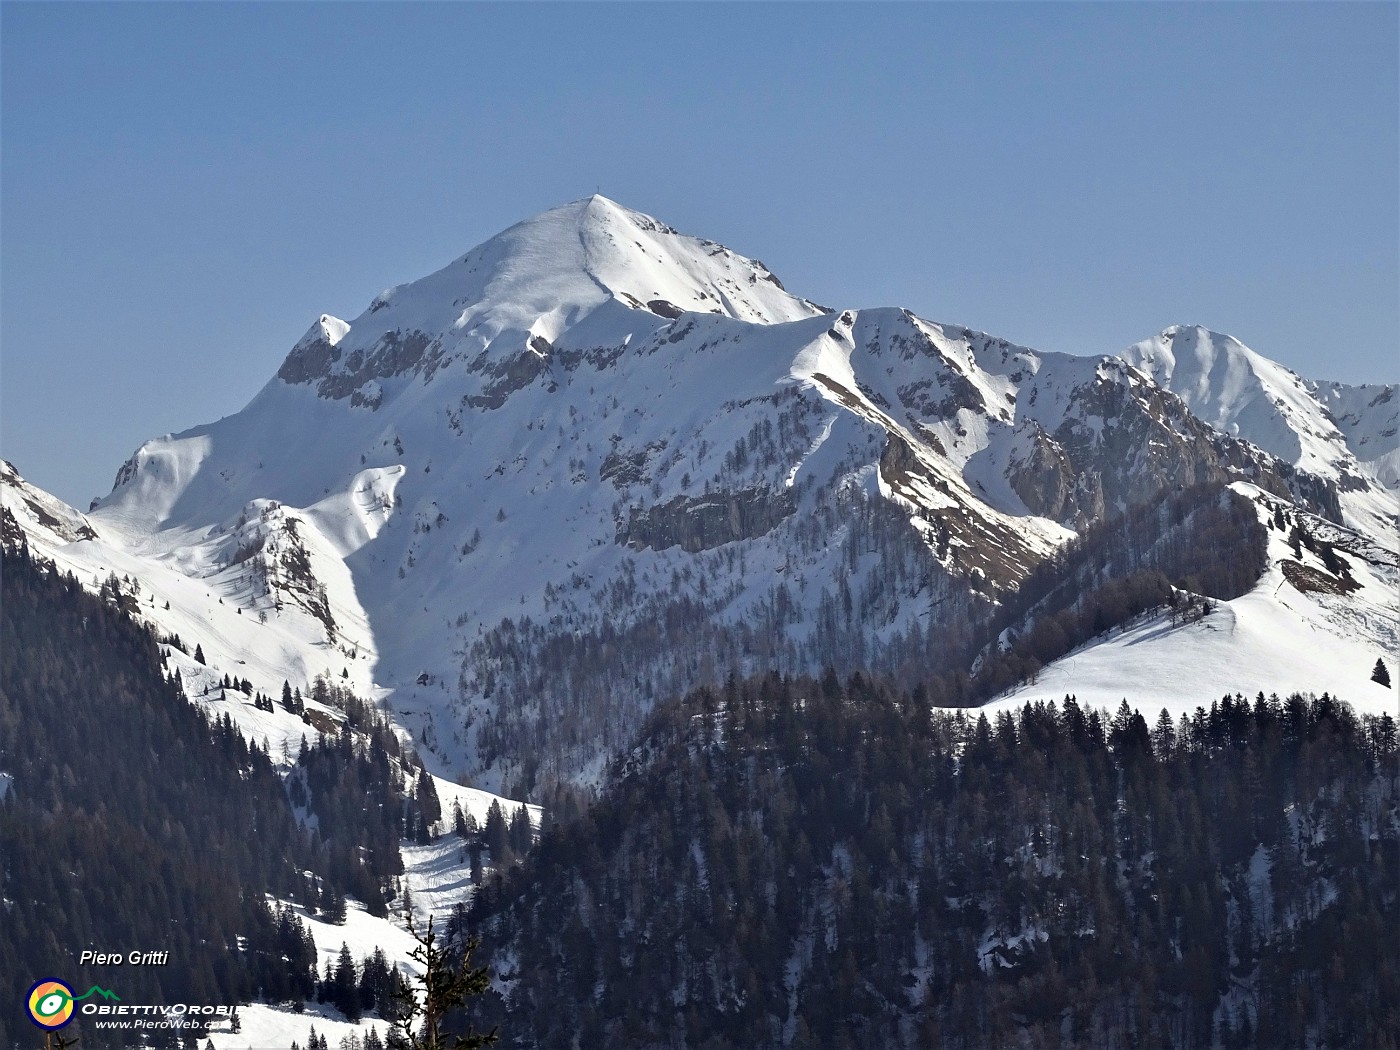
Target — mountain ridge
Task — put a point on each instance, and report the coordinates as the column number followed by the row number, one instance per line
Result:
column 526, row 496
column 1240, row 392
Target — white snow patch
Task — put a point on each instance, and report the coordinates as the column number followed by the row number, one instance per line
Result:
column 264, row 1027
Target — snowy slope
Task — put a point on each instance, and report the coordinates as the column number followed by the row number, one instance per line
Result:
column 48, row 522
column 264, row 1027
column 1278, row 638
column 226, row 587
column 210, row 597
column 1369, row 418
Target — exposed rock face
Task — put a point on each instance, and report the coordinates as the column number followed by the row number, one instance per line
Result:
column 1317, row 492
column 1043, row 477
column 395, row 353
column 309, row 360
column 1123, row 444
column 662, row 308
column 315, row 358
column 625, row 467
column 947, row 378
column 898, row 461
column 699, row 523
column 505, row 378
column 981, row 548
column 127, row 471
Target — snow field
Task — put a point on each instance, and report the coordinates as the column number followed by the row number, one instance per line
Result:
column 1274, row 639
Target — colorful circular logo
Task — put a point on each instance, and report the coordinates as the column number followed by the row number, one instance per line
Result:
column 50, row 1004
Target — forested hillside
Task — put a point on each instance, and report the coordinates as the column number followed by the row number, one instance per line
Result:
column 129, row 819
column 826, row 864
column 1179, row 549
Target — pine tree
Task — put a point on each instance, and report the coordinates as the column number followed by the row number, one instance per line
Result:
column 496, row 832
column 346, row 993
column 1381, row 674
column 521, row 831
column 1163, row 735
column 199, row 654
column 333, row 905
column 376, row 984
column 428, row 803
column 441, row 988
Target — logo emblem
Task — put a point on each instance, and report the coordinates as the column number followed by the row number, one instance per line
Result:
column 50, row 1004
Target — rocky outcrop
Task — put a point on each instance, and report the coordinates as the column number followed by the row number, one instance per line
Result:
column 316, row 359
column 663, row 308
column 967, row 542
column 506, row 377
column 395, row 352
column 699, row 523
column 624, row 468
column 1042, row 476
column 1124, row 443
column 309, row 360
column 62, row 521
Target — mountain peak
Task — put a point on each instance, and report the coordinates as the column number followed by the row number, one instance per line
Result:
column 1197, row 338
column 326, row 329
column 1199, row 359
column 597, row 202
column 534, row 281
column 637, row 259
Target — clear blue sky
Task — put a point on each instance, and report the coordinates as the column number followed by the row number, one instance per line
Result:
column 186, row 187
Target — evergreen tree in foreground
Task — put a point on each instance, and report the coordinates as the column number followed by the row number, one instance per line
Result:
column 441, row 988
column 1381, row 674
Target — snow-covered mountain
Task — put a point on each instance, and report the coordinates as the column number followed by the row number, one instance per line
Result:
column 1345, row 433
column 594, row 461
